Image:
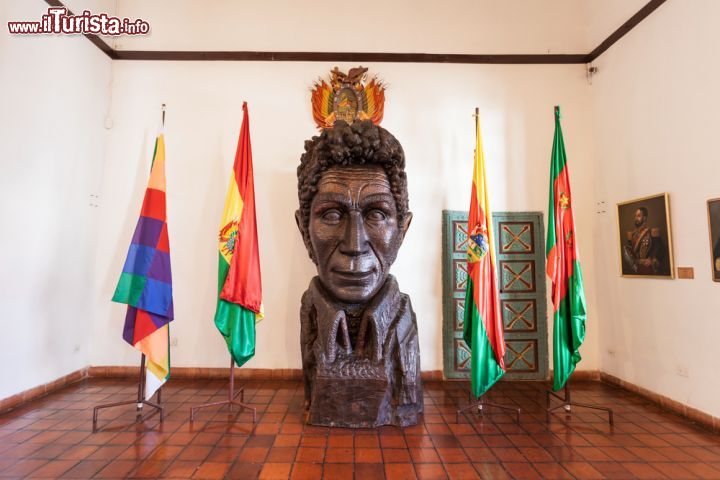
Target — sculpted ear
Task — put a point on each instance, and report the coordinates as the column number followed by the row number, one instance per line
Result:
column 406, row 223
column 305, row 235
column 297, row 221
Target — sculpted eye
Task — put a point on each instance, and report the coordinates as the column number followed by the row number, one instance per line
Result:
column 376, row 215
column 331, row 216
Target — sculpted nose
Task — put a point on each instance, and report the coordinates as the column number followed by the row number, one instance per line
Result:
column 355, row 241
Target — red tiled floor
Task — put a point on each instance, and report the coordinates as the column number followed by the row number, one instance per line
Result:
column 310, row 455
column 461, row 471
column 306, row 471
column 582, row 470
column 22, row 468
column 282, row 455
column 612, row 470
column 522, row 470
column 275, row 471
column 371, row 471
column 430, row 471
column 339, row 455
column 51, row 437
column 368, row 455
column 287, row 440
column 337, row 471
column 253, row 454
column 367, row 441
column 211, row 470
column 85, row 469
column 552, row 471
column 492, row 470
column 53, row 469
column 400, row 471
column 340, row 441
column 424, row 455
column 396, row 455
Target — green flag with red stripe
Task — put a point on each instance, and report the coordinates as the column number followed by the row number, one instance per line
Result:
column 563, row 267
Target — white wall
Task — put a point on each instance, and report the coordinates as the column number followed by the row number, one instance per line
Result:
column 54, row 97
column 428, row 108
column 656, row 124
column 426, row 26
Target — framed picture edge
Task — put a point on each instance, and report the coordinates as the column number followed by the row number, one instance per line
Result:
column 712, row 260
column 671, row 258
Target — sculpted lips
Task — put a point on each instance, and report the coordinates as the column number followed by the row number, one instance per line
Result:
column 353, row 275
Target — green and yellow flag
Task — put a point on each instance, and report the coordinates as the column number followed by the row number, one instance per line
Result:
column 483, row 326
column 563, row 267
column 239, row 303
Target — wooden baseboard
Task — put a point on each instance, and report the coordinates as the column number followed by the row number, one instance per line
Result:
column 41, row 390
column 214, row 373
column 432, row 376
column 584, row 375
column 691, row 413
column 194, row 373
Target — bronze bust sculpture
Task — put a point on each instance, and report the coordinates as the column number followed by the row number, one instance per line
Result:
column 359, row 340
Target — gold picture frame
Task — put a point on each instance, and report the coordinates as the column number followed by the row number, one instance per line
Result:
column 713, row 211
column 645, row 237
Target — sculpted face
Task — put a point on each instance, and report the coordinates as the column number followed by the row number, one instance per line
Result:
column 354, row 231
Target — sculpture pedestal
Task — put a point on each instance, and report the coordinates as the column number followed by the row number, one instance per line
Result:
column 363, row 372
column 358, row 395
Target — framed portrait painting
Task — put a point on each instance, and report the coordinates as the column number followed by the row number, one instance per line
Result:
column 645, row 237
column 714, row 227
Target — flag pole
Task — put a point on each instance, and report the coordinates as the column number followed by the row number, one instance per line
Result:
column 231, row 398
column 140, row 400
column 557, row 175
column 241, row 290
column 479, row 404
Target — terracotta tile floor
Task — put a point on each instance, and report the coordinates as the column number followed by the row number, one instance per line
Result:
column 52, row 437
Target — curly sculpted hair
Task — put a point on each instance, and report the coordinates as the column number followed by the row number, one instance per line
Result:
column 362, row 143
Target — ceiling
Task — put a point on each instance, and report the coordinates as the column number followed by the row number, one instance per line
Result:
column 402, row 26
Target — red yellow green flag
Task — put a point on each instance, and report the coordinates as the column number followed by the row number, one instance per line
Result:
column 563, row 267
column 239, row 304
column 483, row 326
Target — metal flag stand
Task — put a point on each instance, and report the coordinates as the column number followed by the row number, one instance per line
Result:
column 567, row 404
column 139, row 401
column 480, row 405
column 231, row 397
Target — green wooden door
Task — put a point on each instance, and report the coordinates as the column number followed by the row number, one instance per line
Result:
column 520, row 250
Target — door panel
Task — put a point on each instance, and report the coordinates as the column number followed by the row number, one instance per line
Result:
column 520, row 259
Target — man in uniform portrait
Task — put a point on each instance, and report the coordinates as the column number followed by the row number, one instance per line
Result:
column 643, row 252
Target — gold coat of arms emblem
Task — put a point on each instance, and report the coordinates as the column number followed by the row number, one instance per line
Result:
column 348, row 97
